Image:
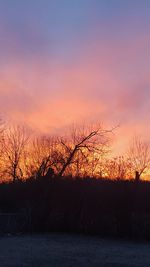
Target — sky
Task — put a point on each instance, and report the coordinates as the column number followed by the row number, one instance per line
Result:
column 64, row 62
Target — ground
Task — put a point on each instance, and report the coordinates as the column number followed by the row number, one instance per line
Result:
column 63, row 250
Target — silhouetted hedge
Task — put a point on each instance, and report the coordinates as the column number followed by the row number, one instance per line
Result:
column 91, row 206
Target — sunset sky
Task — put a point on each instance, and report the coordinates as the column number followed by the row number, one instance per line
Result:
column 69, row 61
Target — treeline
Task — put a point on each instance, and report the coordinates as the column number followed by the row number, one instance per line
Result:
column 83, row 151
column 89, row 205
column 71, row 183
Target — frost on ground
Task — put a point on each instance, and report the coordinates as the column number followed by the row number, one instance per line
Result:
column 56, row 250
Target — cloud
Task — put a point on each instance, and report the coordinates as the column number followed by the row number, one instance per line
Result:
column 104, row 81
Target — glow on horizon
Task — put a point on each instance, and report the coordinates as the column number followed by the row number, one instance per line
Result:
column 79, row 62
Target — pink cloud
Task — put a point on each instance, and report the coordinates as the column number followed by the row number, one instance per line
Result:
column 108, row 82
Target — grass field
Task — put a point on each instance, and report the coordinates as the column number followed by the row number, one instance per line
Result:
column 71, row 250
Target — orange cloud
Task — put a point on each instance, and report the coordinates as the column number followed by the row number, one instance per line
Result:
column 103, row 83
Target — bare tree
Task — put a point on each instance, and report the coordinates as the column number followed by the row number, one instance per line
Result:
column 2, row 128
column 139, row 153
column 118, row 168
column 82, row 140
column 14, row 142
column 42, row 156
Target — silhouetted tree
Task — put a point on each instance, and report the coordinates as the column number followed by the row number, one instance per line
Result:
column 2, row 128
column 42, row 155
column 118, row 168
column 14, row 142
column 139, row 153
column 83, row 140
